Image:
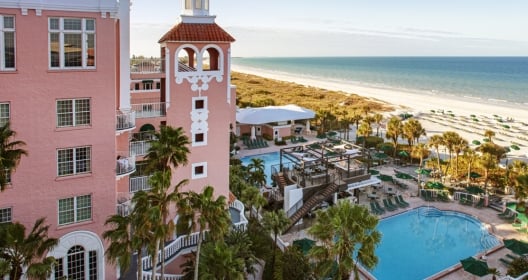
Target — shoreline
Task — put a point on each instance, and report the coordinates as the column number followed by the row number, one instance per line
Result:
column 420, row 105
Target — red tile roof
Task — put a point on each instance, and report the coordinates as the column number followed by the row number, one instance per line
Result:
column 197, row 32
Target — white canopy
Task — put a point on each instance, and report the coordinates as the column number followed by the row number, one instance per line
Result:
column 270, row 114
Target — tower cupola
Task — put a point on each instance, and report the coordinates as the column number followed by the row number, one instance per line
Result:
column 196, row 11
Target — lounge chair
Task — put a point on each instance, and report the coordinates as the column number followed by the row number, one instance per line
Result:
column 394, row 205
column 401, row 202
column 506, row 262
column 374, row 209
column 376, row 203
column 388, row 206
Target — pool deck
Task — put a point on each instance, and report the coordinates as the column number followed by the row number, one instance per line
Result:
column 497, row 226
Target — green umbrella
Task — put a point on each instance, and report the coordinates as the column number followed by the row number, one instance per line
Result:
column 474, row 189
column 403, row 176
column 386, row 146
column 475, row 267
column 475, row 142
column 474, row 175
column 374, row 172
column 515, row 147
column 385, row 178
column 516, row 246
column 403, row 153
column 435, row 185
column 380, row 155
column 485, row 139
column 304, row 244
column 423, row 171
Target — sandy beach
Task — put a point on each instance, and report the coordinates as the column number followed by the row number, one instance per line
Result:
column 469, row 117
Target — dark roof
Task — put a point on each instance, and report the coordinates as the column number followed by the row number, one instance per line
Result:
column 197, row 32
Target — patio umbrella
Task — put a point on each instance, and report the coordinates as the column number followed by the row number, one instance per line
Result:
column 304, row 244
column 475, row 142
column 475, row 267
column 474, row 175
column 380, row 155
column 403, row 176
column 515, row 147
column 435, row 185
column 516, row 246
column 403, row 153
column 386, row 147
column 385, row 178
column 374, row 172
column 423, row 171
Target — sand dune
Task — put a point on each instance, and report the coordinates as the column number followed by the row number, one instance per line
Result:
column 467, row 116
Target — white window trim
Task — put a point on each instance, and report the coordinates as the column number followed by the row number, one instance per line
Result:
column 199, row 176
column 202, row 111
column 74, row 112
column 202, row 143
column 75, row 218
column 3, row 120
column 2, row 42
column 84, row 39
column 74, row 161
column 10, row 209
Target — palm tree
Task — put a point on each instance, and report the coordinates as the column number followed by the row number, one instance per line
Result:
column 364, row 130
column 471, row 156
column 451, row 138
column 435, row 142
column 489, row 134
column 348, row 236
column 378, row 118
column 203, row 211
column 169, row 150
column 256, row 168
column 220, row 261
column 19, row 251
column 256, row 164
column 420, row 151
column 487, row 162
column 356, row 118
column 241, row 241
column 521, row 188
column 10, row 153
column 394, row 131
column 275, row 222
column 155, row 205
column 252, row 197
column 412, row 130
column 460, row 145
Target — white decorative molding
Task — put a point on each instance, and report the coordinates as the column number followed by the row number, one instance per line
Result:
column 200, row 78
column 103, row 6
column 198, row 176
column 199, row 119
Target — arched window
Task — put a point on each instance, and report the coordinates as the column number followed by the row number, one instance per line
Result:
column 186, row 60
column 78, row 264
column 210, row 60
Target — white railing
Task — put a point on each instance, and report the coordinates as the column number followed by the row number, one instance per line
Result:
column 139, row 183
column 242, row 224
column 145, row 65
column 125, row 120
column 294, row 208
column 148, row 276
column 174, row 248
column 125, row 165
column 123, row 209
column 139, row 148
column 150, row 110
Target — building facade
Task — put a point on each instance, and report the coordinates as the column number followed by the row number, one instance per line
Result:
column 71, row 92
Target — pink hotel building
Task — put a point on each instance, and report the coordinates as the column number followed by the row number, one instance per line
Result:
column 72, row 93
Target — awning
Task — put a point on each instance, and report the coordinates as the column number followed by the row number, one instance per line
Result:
column 271, row 114
column 362, row 184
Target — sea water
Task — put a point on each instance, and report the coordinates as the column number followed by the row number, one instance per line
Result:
column 492, row 79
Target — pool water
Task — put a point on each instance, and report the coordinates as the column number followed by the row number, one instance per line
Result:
column 424, row 241
column 270, row 159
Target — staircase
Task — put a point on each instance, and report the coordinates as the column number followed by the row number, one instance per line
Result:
column 311, row 202
column 281, row 181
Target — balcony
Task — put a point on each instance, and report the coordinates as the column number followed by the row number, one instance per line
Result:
column 149, row 110
column 125, row 165
column 139, row 148
column 124, row 209
column 139, row 183
column 145, row 65
column 125, row 121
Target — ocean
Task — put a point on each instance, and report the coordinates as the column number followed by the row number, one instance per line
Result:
column 491, row 79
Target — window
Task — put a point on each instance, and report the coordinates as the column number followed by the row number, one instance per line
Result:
column 7, row 42
column 75, row 209
column 5, row 215
column 199, row 137
column 74, row 264
column 71, row 43
column 199, row 170
column 8, row 176
column 199, row 104
column 188, row 4
column 147, row 85
column 73, row 112
column 4, row 113
column 74, row 161
column 158, row 85
column 136, row 86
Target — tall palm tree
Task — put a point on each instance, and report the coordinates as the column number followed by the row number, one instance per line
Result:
column 471, row 156
column 19, row 251
column 487, row 162
column 256, row 164
column 378, row 118
column 201, row 211
column 435, row 142
column 348, row 236
column 450, row 140
column 412, row 130
column 460, row 145
column 420, row 151
column 10, row 153
column 169, row 150
column 241, row 241
column 155, row 205
column 394, row 131
column 356, row 118
column 252, row 197
column 275, row 222
column 489, row 134
column 364, row 130
column 521, row 188
column 220, row 261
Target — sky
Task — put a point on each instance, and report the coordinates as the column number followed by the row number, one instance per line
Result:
column 268, row 28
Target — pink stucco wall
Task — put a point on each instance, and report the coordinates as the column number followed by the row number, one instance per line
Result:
column 32, row 92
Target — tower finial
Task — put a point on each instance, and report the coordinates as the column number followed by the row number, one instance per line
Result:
column 196, row 11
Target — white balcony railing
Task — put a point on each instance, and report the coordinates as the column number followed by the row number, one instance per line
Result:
column 125, row 165
column 124, row 209
column 145, row 65
column 148, row 276
column 125, row 120
column 238, row 205
column 150, row 110
column 139, row 148
column 139, row 183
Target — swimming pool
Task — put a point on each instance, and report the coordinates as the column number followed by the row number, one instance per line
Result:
column 270, row 159
column 424, row 241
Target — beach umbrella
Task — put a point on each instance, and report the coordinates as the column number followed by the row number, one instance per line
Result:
column 403, row 153
column 475, row 142
column 435, row 185
column 380, row 155
column 386, row 147
column 423, row 171
column 304, row 244
column 516, row 246
column 403, row 176
column 515, row 147
column 374, row 172
column 475, row 267
column 485, row 139
column 385, row 178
